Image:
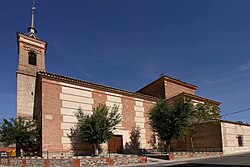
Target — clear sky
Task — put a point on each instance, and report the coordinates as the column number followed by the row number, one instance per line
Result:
column 126, row 44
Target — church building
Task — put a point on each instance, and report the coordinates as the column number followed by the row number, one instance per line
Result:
column 52, row 99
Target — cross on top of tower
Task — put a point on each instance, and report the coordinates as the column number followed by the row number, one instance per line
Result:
column 32, row 32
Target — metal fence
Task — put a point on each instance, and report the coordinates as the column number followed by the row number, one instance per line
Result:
column 189, row 150
column 196, row 149
column 108, row 153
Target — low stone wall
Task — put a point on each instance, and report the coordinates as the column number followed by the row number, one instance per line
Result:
column 192, row 155
column 71, row 162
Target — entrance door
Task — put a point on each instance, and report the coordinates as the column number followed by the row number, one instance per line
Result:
column 115, row 144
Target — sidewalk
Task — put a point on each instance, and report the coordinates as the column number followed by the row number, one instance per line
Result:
column 152, row 161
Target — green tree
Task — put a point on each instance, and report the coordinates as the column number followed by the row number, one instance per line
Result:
column 203, row 113
column 134, row 144
column 97, row 128
column 169, row 121
column 22, row 132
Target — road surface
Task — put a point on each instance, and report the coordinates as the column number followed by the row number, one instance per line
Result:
column 239, row 160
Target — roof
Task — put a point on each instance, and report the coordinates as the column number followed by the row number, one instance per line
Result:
column 116, row 90
column 195, row 97
column 94, row 85
column 30, row 38
column 168, row 78
column 233, row 122
column 32, row 35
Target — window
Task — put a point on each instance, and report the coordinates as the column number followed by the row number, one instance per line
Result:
column 240, row 140
column 32, row 58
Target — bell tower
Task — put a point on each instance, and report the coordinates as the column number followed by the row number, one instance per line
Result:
column 31, row 59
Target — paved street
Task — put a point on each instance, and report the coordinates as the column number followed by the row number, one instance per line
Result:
column 240, row 160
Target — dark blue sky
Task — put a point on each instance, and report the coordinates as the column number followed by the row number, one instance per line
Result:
column 127, row 44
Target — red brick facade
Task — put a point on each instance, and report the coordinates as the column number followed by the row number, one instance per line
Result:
column 149, row 133
column 54, row 99
column 99, row 98
column 128, row 113
column 61, row 96
column 207, row 138
column 156, row 89
column 51, row 116
column 53, row 91
column 173, row 89
column 167, row 87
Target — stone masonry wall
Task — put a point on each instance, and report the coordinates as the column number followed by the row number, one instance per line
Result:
column 71, row 162
column 230, row 133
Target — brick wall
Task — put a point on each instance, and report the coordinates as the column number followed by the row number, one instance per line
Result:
column 60, row 101
column 51, row 116
column 128, row 113
column 207, row 137
column 172, row 89
column 25, row 95
column 155, row 89
column 149, row 134
column 25, row 45
column 26, row 73
column 166, row 88
column 99, row 98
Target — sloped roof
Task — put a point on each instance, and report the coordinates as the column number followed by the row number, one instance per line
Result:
column 237, row 123
column 95, row 86
column 194, row 97
column 79, row 82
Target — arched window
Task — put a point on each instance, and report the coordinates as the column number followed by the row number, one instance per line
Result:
column 32, row 58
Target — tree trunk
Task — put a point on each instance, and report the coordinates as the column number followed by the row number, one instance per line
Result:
column 18, row 150
column 192, row 144
column 96, row 149
column 167, row 145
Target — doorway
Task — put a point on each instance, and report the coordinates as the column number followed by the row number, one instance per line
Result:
column 115, row 144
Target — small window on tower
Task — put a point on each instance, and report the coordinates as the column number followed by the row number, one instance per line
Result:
column 32, row 58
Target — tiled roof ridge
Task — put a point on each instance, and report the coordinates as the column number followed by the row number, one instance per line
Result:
column 100, row 86
column 178, row 80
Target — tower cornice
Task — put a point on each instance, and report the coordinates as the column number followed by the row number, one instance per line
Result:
column 31, row 41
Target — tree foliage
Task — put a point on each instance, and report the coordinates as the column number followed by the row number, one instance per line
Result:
column 169, row 121
column 22, row 132
column 96, row 128
column 134, row 144
column 202, row 113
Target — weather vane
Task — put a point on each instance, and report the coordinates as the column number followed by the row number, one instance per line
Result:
column 33, row 5
column 162, row 74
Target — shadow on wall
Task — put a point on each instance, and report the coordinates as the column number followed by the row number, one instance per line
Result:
column 37, row 110
column 79, row 148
